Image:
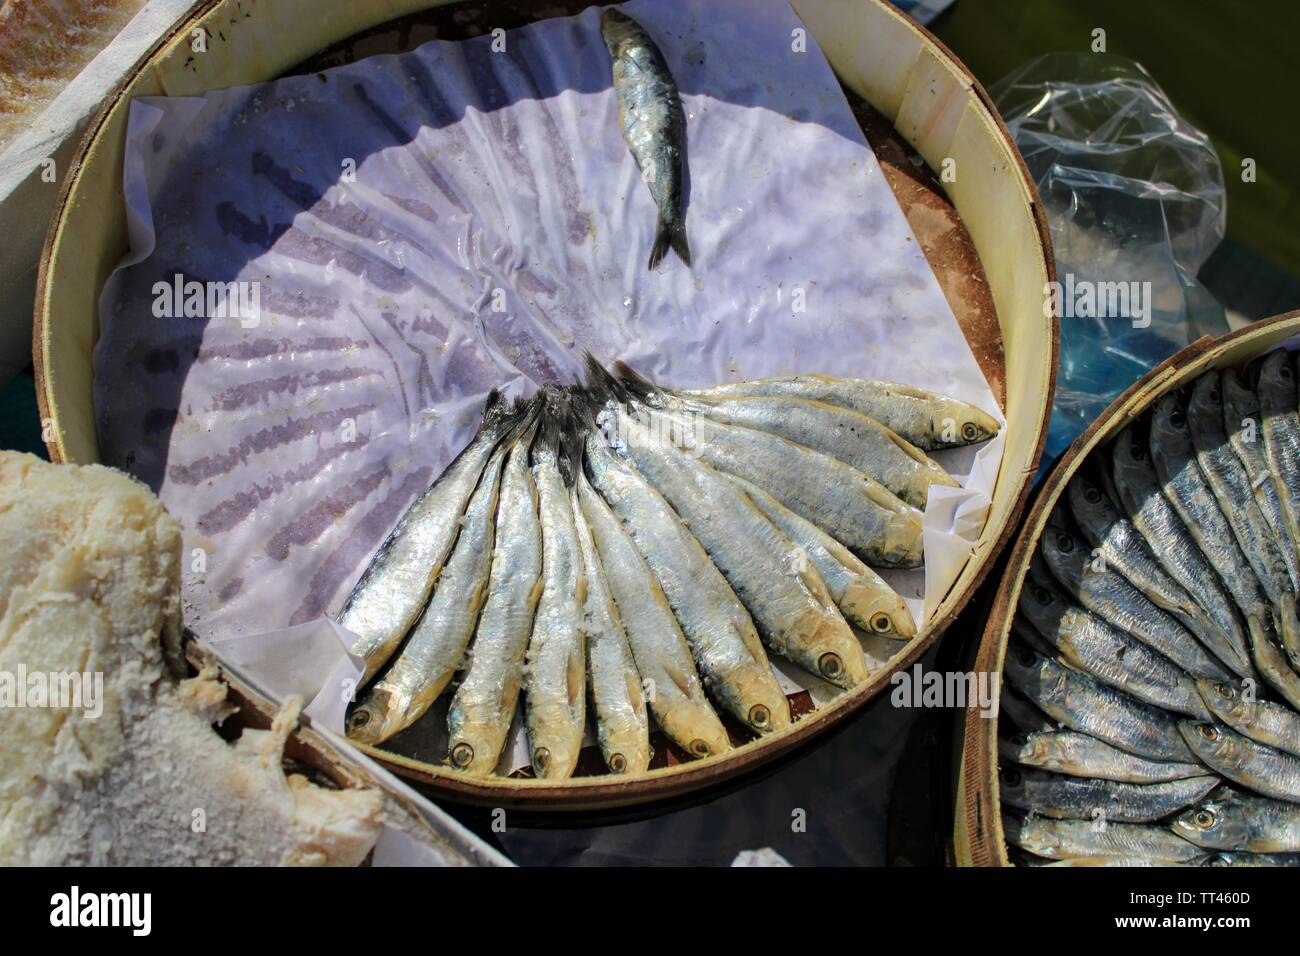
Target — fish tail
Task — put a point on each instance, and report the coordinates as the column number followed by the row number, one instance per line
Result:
column 670, row 235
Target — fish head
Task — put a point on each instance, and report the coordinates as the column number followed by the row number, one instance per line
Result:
column 1027, row 747
column 761, row 706
column 1225, row 700
column 1088, row 499
column 1042, row 606
column 1066, row 554
column 961, row 424
column 475, row 748
column 885, row 614
column 1024, row 665
column 1169, row 428
column 1205, row 406
column 1130, row 455
column 1238, row 400
column 1276, row 378
column 1209, row 824
column 555, row 758
column 1210, row 741
column 1011, row 782
column 617, row 28
column 376, row 717
column 701, row 730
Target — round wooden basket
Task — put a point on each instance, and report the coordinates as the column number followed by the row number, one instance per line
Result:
column 913, row 98
column 978, row 839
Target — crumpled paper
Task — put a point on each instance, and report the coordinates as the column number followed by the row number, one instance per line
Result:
column 420, row 228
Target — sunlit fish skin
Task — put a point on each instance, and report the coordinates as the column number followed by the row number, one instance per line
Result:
column 654, row 126
column 395, row 587
column 1230, row 485
column 1080, row 755
column 790, row 605
column 1079, row 798
column 1174, row 457
column 663, row 657
column 1231, row 820
column 1118, row 543
column 842, row 433
column 1243, row 420
column 862, row 595
column 436, row 647
column 1072, row 839
column 928, row 420
column 1146, row 506
column 1110, row 596
column 1270, row 772
column 619, row 704
column 1281, row 426
column 556, row 701
column 1263, row 721
column 484, row 704
column 1082, row 704
column 852, row 507
column 721, row 633
column 1108, row 654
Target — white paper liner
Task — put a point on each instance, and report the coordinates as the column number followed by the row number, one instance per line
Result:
column 496, row 229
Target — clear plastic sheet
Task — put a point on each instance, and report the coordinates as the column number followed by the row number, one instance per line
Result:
column 1133, row 193
column 426, row 226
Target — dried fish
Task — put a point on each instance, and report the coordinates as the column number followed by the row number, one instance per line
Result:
column 556, row 702
column 663, row 658
column 484, row 703
column 721, row 633
column 926, row 419
column 653, row 123
column 1079, row 798
column 396, row 586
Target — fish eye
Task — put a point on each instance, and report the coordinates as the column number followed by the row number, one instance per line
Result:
column 542, row 758
column 1065, row 542
column 618, row 763
column 760, row 718
column 831, row 666
column 880, row 623
column 1209, row 732
column 360, row 717
column 1176, row 418
column 1226, row 691
column 1204, row 819
column 1011, row 776
column 1285, row 372
column 1044, row 596
column 462, row 755
column 1137, row 451
column 1214, row 394
column 699, row 748
column 969, row 431
column 1091, row 495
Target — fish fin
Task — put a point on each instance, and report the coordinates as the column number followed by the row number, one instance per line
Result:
column 495, row 408
column 572, row 443
column 670, row 235
column 603, row 386
column 634, row 382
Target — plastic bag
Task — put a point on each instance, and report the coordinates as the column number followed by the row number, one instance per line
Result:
column 1135, row 200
